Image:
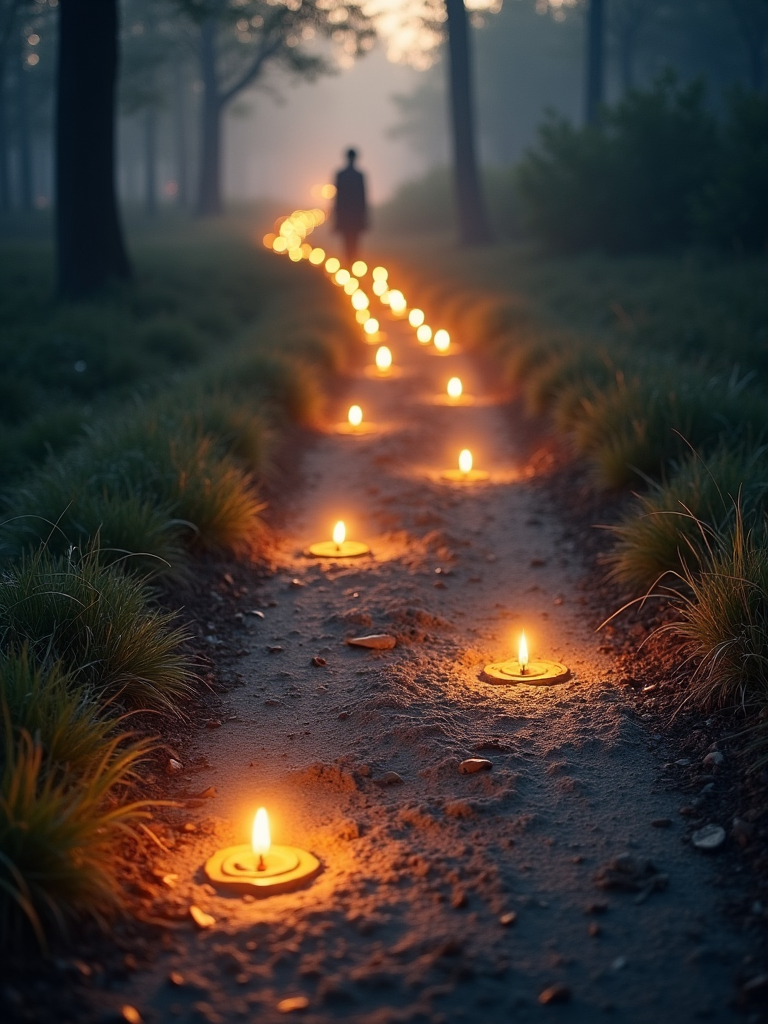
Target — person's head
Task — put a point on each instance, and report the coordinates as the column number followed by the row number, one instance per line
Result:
column 351, row 156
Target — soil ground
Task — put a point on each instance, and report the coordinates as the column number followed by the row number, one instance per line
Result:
column 444, row 896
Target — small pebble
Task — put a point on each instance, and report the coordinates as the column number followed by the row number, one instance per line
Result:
column 319, row 662
column 661, row 822
column 709, row 838
column 213, row 723
column 594, row 930
column 389, row 779
column 508, row 919
column 294, row 1004
column 713, row 759
column 201, row 919
column 475, row 764
column 274, row 649
column 173, row 766
column 131, row 1015
column 176, row 978
column 555, row 994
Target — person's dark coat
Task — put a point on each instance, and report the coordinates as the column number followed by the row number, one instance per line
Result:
column 350, row 211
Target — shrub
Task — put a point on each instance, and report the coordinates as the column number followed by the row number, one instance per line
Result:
column 732, row 212
column 98, row 624
column 628, row 183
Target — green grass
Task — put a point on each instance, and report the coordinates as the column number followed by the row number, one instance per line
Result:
column 99, row 624
column 59, row 836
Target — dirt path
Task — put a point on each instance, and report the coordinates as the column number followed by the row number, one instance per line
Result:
column 404, row 923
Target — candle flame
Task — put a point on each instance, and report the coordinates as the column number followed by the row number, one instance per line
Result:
column 465, row 461
column 359, row 268
column 316, row 257
column 522, row 652
column 416, row 317
column 379, row 287
column 371, row 325
column 355, row 415
column 260, row 839
column 339, row 533
column 342, row 276
column 360, row 300
column 332, row 265
column 380, row 273
column 424, row 334
column 350, row 286
column 383, row 359
column 397, row 301
column 454, row 387
column 442, row 340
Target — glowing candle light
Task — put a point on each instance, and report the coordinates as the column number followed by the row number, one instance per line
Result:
column 359, row 268
column 280, row 244
column 465, row 461
column 260, row 837
column 371, row 326
column 317, row 256
column 355, row 415
column 269, row 239
column 416, row 317
column 342, row 276
column 379, row 273
column 332, row 265
column 379, row 287
column 351, row 286
column 362, row 316
column 339, row 534
column 442, row 340
column 522, row 653
column 383, row 359
column 454, row 388
column 385, row 296
column 424, row 334
column 360, row 300
column 397, row 301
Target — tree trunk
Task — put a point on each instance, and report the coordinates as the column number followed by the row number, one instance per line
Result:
column 89, row 237
column 26, row 185
column 209, row 198
column 595, row 61
column 150, row 161
column 5, row 184
column 473, row 222
column 180, row 124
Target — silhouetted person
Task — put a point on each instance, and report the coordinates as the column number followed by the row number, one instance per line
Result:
column 350, row 210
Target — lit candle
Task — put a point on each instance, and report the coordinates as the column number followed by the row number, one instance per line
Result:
column 379, row 273
column 522, row 654
column 260, row 838
column 332, row 265
column 442, row 340
column 397, row 302
column 465, row 461
column 342, row 276
column 424, row 334
column 383, row 359
column 371, row 326
column 379, row 287
column 339, row 534
column 355, row 415
column 454, row 387
column 416, row 317
column 360, row 300
column 316, row 257
column 350, row 286
column 359, row 268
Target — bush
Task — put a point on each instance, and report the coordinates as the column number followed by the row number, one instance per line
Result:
column 732, row 212
column 628, row 183
column 97, row 623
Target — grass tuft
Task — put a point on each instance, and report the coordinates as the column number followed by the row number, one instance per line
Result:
column 97, row 623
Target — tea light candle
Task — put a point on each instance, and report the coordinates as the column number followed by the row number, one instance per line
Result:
column 465, row 473
column 339, row 547
column 355, row 424
column 522, row 670
column 261, row 868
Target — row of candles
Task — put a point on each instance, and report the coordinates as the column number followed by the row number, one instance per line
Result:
column 261, row 867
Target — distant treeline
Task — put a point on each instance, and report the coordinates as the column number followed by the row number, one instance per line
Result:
column 659, row 171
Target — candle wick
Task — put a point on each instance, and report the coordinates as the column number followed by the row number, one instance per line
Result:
column 261, row 866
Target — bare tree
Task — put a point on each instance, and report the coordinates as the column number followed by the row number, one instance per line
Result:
column 239, row 40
